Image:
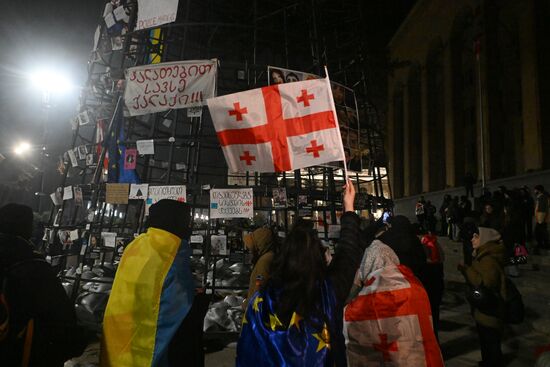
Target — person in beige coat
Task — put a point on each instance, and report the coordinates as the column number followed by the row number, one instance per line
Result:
column 260, row 244
column 487, row 270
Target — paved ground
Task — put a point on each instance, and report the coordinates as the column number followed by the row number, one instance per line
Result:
column 458, row 337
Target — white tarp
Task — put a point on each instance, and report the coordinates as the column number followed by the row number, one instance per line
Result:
column 171, row 85
column 153, row 13
column 231, row 203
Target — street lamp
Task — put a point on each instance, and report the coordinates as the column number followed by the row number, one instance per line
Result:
column 49, row 82
column 22, row 148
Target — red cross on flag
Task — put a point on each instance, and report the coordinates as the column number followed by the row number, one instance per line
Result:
column 278, row 128
column 389, row 323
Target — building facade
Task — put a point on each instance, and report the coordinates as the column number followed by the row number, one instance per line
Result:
column 468, row 92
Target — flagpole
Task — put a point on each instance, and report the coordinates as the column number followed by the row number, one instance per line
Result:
column 333, row 107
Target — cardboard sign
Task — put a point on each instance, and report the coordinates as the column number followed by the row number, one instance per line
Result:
column 138, row 191
column 172, row 85
column 231, row 203
column 117, row 193
column 130, row 159
column 153, row 13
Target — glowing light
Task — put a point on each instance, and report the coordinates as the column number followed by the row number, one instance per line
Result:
column 50, row 81
column 22, row 148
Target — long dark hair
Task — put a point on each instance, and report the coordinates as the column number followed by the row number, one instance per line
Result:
column 297, row 270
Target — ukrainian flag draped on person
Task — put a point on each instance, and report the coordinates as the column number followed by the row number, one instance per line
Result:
column 146, row 307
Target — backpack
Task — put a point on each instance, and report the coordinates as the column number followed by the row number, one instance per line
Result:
column 514, row 308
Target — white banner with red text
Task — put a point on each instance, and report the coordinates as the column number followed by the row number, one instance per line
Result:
column 171, row 85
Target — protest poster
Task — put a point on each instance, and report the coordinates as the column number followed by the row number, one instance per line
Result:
column 231, row 203
column 153, row 13
column 218, row 245
column 346, row 110
column 171, row 85
column 145, row 146
column 72, row 157
column 279, row 197
column 109, row 239
column 68, row 193
column 117, row 193
column 89, row 160
column 78, row 199
column 171, row 192
column 130, row 159
column 138, row 191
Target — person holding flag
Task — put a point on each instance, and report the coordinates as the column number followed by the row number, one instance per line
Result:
column 296, row 319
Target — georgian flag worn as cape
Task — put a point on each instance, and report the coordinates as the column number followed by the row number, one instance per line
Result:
column 278, row 128
column 389, row 323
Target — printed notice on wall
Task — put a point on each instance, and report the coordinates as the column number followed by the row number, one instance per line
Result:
column 231, row 203
column 152, row 13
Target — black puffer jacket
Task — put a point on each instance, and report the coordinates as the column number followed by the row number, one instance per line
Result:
column 33, row 291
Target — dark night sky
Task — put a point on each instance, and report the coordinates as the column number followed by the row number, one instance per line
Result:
column 37, row 34
column 59, row 34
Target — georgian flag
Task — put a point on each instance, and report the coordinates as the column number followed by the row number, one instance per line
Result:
column 389, row 323
column 278, row 128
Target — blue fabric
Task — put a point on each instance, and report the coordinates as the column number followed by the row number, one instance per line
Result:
column 116, row 154
column 176, row 299
column 289, row 345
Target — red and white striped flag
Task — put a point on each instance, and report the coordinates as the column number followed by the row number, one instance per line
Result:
column 278, row 128
column 389, row 323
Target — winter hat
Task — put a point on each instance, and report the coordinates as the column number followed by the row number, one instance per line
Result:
column 16, row 220
column 172, row 216
column 488, row 235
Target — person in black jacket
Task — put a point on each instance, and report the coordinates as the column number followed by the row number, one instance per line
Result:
column 34, row 293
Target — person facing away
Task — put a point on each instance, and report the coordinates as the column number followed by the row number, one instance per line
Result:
column 434, row 274
column 386, row 294
column 487, row 270
column 152, row 292
column 296, row 319
column 260, row 244
column 42, row 321
column 542, row 217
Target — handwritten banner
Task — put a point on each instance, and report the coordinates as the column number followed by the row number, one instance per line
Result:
column 152, row 13
column 231, row 203
column 171, row 192
column 171, row 85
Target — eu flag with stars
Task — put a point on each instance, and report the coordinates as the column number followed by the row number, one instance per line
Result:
column 306, row 340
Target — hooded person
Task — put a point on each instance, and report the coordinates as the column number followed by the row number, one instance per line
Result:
column 152, row 292
column 487, row 270
column 42, row 328
column 388, row 317
column 402, row 239
column 260, row 244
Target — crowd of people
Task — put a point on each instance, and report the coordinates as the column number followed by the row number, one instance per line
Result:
column 375, row 301
column 512, row 212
